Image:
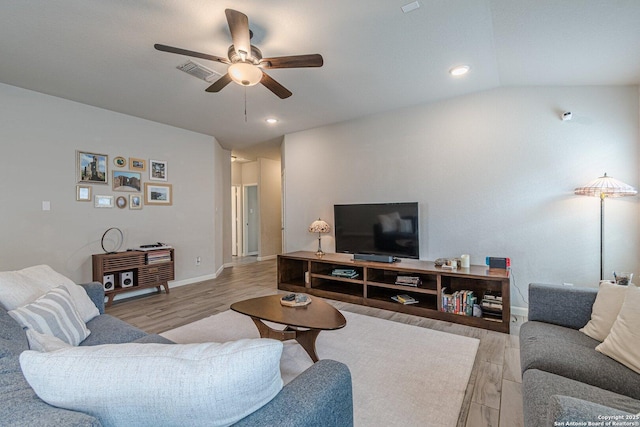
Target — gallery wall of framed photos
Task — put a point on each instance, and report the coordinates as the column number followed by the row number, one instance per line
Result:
column 101, row 182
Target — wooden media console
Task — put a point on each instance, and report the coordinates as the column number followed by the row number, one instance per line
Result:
column 374, row 285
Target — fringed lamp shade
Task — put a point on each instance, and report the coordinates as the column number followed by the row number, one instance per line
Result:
column 319, row 226
column 605, row 187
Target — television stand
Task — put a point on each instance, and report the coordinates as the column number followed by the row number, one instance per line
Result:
column 440, row 293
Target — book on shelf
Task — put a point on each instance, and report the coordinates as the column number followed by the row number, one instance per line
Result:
column 348, row 273
column 458, row 302
column 491, row 303
column 404, row 299
column 408, row 281
column 158, row 256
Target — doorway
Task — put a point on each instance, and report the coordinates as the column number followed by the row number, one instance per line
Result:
column 236, row 220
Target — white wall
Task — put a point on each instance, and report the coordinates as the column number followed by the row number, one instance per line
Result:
column 39, row 136
column 493, row 174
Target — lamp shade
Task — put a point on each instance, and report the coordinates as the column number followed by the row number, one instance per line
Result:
column 245, row 74
column 319, row 226
column 606, row 186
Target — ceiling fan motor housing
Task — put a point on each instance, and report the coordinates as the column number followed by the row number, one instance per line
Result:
column 254, row 58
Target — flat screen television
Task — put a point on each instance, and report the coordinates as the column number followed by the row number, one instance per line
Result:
column 378, row 228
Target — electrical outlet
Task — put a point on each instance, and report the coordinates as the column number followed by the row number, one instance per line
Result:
column 198, row 260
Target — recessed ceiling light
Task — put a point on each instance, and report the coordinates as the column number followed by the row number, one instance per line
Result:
column 460, row 70
column 410, row 7
column 271, row 121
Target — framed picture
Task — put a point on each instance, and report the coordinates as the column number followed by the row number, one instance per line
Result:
column 121, row 202
column 92, row 168
column 83, row 193
column 157, row 170
column 103, row 202
column 120, row 162
column 127, row 181
column 135, row 201
column 157, row 194
column 137, row 164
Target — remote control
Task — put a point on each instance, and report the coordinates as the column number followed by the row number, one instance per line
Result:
column 290, row 297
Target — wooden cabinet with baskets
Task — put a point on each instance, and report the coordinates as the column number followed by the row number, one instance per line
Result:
column 128, row 271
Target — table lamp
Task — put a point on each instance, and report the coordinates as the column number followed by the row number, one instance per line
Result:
column 319, row 226
column 604, row 187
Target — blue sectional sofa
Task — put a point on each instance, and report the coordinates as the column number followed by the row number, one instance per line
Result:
column 564, row 379
column 320, row 396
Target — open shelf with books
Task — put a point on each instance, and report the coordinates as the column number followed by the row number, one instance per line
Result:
column 397, row 299
column 339, row 277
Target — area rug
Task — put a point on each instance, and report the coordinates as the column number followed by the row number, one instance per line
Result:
column 402, row 375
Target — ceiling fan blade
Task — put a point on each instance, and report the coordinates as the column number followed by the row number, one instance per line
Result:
column 170, row 49
column 275, row 87
column 295, row 61
column 239, row 27
column 219, row 84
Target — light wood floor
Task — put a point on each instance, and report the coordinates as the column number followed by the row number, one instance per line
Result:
column 493, row 396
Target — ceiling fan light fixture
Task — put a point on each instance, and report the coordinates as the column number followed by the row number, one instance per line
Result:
column 245, row 74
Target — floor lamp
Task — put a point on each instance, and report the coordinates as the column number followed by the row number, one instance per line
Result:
column 604, row 187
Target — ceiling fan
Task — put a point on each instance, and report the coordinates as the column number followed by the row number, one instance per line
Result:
column 246, row 64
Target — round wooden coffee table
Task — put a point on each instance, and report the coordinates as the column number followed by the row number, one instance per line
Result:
column 303, row 324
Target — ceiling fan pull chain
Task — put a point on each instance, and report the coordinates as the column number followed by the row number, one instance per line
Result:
column 245, row 104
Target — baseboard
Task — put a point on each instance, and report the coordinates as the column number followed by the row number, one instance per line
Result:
column 192, row 280
column 172, row 284
column 266, row 258
column 520, row 311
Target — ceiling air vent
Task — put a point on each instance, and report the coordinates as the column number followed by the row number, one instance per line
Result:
column 199, row 71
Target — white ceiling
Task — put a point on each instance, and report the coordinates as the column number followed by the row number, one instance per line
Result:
column 376, row 58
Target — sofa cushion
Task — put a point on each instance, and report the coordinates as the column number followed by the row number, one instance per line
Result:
column 12, row 336
column 538, row 387
column 44, row 342
column 208, row 384
column 18, row 288
column 623, row 343
column 20, row 405
column 106, row 329
column 571, row 354
column 54, row 314
column 605, row 310
column 568, row 411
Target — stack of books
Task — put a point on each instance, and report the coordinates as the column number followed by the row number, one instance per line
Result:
column 404, row 299
column 491, row 305
column 458, row 302
column 408, row 281
column 158, row 256
column 348, row 273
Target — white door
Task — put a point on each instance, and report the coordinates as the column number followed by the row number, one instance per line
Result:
column 251, row 220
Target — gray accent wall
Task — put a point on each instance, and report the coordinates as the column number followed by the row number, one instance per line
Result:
column 493, row 173
column 39, row 136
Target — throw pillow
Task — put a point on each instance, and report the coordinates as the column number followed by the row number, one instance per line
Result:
column 623, row 342
column 605, row 310
column 43, row 342
column 53, row 314
column 208, row 384
column 21, row 287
